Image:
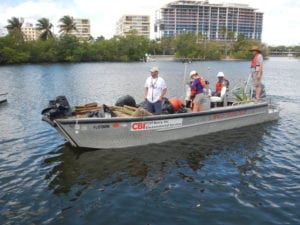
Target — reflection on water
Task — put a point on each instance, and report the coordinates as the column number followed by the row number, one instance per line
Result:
column 150, row 164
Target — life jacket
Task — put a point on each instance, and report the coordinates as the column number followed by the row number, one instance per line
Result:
column 254, row 61
column 220, row 84
column 202, row 85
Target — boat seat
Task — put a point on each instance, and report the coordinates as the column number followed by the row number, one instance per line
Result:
column 222, row 99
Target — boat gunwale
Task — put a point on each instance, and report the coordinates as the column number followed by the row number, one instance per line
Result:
column 163, row 116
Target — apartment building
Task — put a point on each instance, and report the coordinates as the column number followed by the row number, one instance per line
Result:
column 30, row 32
column 83, row 28
column 140, row 23
column 213, row 21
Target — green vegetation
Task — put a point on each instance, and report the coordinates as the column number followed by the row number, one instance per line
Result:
column 241, row 97
column 285, row 50
column 44, row 26
column 67, row 25
column 69, row 48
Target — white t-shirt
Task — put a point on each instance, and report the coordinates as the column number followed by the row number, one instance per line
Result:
column 155, row 87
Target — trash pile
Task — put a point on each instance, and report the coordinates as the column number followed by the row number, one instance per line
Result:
column 94, row 110
column 124, row 107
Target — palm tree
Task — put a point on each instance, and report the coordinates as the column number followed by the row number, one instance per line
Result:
column 67, row 25
column 44, row 26
column 14, row 27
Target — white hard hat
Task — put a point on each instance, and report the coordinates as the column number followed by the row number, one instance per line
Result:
column 154, row 69
column 193, row 72
column 220, row 74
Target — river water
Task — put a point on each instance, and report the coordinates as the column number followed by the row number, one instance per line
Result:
column 244, row 176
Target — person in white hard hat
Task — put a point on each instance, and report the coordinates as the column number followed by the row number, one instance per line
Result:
column 221, row 82
column 155, row 90
column 197, row 91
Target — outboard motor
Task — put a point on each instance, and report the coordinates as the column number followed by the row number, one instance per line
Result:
column 57, row 108
column 262, row 91
column 167, row 107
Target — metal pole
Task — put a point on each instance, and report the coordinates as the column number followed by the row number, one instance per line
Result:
column 251, row 87
column 184, row 80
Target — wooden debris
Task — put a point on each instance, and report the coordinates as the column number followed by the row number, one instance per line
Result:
column 125, row 111
column 131, row 111
column 120, row 114
column 83, row 109
column 141, row 112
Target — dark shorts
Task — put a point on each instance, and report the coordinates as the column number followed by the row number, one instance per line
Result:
column 155, row 108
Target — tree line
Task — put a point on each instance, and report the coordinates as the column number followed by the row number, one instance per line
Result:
column 14, row 48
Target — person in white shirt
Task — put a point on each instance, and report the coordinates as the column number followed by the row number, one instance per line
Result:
column 155, row 90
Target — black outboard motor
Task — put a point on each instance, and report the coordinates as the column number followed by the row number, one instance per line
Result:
column 58, row 108
column 166, row 107
column 126, row 100
column 262, row 92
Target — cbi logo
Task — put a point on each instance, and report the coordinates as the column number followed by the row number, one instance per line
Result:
column 138, row 126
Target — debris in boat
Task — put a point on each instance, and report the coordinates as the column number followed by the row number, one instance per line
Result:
column 91, row 107
column 124, row 107
column 126, row 100
column 130, row 111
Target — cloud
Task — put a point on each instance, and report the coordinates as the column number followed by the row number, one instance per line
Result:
column 281, row 20
column 32, row 11
column 105, row 15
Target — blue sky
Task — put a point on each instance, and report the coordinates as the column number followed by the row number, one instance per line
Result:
column 281, row 19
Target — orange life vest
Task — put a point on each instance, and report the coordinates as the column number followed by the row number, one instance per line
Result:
column 202, row 84
column 220, row 84
column 254, row 61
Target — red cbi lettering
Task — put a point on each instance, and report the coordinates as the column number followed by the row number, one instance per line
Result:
column 138, row 126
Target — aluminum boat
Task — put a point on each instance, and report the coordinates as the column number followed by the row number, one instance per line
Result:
column 121, row 132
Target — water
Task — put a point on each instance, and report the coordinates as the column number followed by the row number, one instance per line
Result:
column 248, row 175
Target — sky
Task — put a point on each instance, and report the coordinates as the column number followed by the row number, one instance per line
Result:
column 281, row 17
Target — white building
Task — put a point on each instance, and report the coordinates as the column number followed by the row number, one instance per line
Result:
column 140, row 23
column 83, row 28
column 213, row 21
column 30, row 32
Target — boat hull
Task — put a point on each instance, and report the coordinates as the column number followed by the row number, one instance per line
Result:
column 103, row 133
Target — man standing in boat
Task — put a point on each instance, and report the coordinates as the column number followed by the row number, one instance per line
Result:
column 256, row 70
column 155, row 90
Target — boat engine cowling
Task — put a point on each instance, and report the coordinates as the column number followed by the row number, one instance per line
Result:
column 58, row 108
column 262, row 92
